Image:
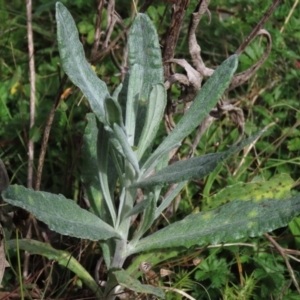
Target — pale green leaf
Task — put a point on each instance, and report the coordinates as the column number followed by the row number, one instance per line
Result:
column 155, row 112
column 230, row 222
column 89, row 167
column 193, row 168
column 74, row 62
column 60, row 214
column 144, row 51
column 102, row 162
column 113, row 112
column 123, row 140
column 170, row 197
column 134, row 92
column 204, row 102
column 147, row 219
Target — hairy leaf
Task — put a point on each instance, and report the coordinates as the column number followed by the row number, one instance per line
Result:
column 89, row 167
column 155, row 112
column 134, row 92
column 232, row 221
column 143, row 51
column 206, row 99
column 74, row 63
column 193, row 168
column 60, row 214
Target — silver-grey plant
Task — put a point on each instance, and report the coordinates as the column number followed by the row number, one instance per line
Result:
column 117, row 155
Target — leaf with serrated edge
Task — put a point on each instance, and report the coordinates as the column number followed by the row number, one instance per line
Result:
column 74, row 62
column 60, row 214
column 232, row 221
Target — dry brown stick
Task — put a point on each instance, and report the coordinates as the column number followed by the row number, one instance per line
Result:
column 194, row 48
column 258, row 27
column 282, row 253
column 107, row 50
column 244, row 76
column 97, row 35
column 31, row 113
column 32, row 90
column 111, row 21
column 47, row 133
column 179, row 9
column 32, row 220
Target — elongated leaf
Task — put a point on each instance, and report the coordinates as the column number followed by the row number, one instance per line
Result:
column 155, row 112
column 193, row 168
column 125, row 280
column 114, row 141
column 147, row 219
column 113, row 112
column 134, row 92
column 206, row 99
column 74, row 63
column 102, row 162
column 60, row 214
column 62, row 257
column 144, row 51
column 117, row 91
column 167, row 201
column 232, row 221
column 89, row 167
column 140, row 207
column 130, row 155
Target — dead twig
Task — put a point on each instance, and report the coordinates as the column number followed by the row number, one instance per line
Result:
column 47, row 132
column 32, row 90
column 284, row 256
column 97, row 35
column 179, row 9
column 258, row 27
